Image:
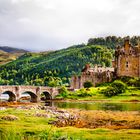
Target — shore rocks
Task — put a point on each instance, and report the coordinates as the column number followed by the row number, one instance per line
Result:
column 9, row 118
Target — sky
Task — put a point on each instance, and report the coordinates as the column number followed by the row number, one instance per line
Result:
column 42, row 25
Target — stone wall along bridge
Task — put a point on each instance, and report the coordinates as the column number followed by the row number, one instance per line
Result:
column 15, row 92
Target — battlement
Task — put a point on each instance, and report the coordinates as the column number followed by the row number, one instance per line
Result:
column 126, row 63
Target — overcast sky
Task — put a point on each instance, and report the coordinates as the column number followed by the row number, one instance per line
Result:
column 54, row 24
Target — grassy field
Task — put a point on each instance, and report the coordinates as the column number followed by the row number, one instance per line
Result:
column 30, row 127
column 132, row 94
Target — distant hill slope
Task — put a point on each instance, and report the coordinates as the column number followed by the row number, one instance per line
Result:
column 8, row 54
column 43, row 68
column 12, row 50
column 56, row 67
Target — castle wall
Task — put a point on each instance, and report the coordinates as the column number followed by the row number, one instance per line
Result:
column 128, row 66
column 126, row 63
column 94, row 77
column 127, row 60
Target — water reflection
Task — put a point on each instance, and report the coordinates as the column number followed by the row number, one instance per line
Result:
column 87, row 105
column 99, row 106
column 49, row 103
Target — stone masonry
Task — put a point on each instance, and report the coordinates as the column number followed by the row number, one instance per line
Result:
column 126, row 63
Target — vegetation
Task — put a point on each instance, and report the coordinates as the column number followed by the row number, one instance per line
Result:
column 7, row 57
column 117, row 87
column 53, row 68
column 113, row 41
column 56, row 68
column 31, row 127
column 8, row 54
column 131, row 94
column 63, row 92
column 88, row 84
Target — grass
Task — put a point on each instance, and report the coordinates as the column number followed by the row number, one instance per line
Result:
column 30, row 127
column 94, row 94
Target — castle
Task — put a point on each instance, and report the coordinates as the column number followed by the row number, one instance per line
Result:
column 126, row 63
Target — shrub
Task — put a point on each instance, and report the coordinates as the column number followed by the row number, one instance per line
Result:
column 109, row 92
column 134, row 82
column 125, row 79
column 83, row 93
column 63, row 92
column 88, row 84
column 117, row 87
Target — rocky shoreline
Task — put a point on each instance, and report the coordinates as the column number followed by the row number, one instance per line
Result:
column 80, row 118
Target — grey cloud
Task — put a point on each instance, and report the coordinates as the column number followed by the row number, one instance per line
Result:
column 52, row 24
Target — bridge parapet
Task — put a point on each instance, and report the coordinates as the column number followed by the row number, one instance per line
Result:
column 34, row 91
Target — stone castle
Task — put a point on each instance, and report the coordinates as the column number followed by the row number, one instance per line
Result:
column 126, row 63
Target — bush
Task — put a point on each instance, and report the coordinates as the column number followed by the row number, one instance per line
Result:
column 134, row 82
column 88, row 84
column 83, row 93
column 117, row 87
column 125, row 79
column 63, row 92
column 109, row 92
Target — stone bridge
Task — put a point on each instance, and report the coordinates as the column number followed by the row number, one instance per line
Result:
column 16, row 92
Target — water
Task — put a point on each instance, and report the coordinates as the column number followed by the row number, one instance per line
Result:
column 90, row 105
column 6, row 96
column 99, row 106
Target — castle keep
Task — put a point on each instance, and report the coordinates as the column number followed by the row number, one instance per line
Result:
column 126, row 63
column 127, row 60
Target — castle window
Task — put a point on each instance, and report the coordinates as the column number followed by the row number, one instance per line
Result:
column 126, row 64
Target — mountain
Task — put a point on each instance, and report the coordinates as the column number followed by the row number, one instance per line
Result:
column 8, row 54
column 12, row 50
column 53, row 68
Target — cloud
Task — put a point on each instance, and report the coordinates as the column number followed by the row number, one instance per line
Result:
column 54, row 24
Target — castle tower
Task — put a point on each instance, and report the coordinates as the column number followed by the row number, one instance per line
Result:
column 127, row 60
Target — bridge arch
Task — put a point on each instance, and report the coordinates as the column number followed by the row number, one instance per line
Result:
column 32, row 95
column 12, row 96
column 45, row 95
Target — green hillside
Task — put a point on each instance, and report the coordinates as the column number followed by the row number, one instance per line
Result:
column 53, row 68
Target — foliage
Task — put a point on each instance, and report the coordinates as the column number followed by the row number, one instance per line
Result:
column 83, row 92
column 113, row 41
column 134, row 82
column 117, row 87
column 103, row 84
column 53, row 68
column 63, row 92
column 88, row 84
column 125, row 79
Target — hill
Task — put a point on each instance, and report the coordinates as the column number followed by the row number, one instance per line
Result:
column 56, row 67
column 8, row 54
column 12, row 50
column 53, row 68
